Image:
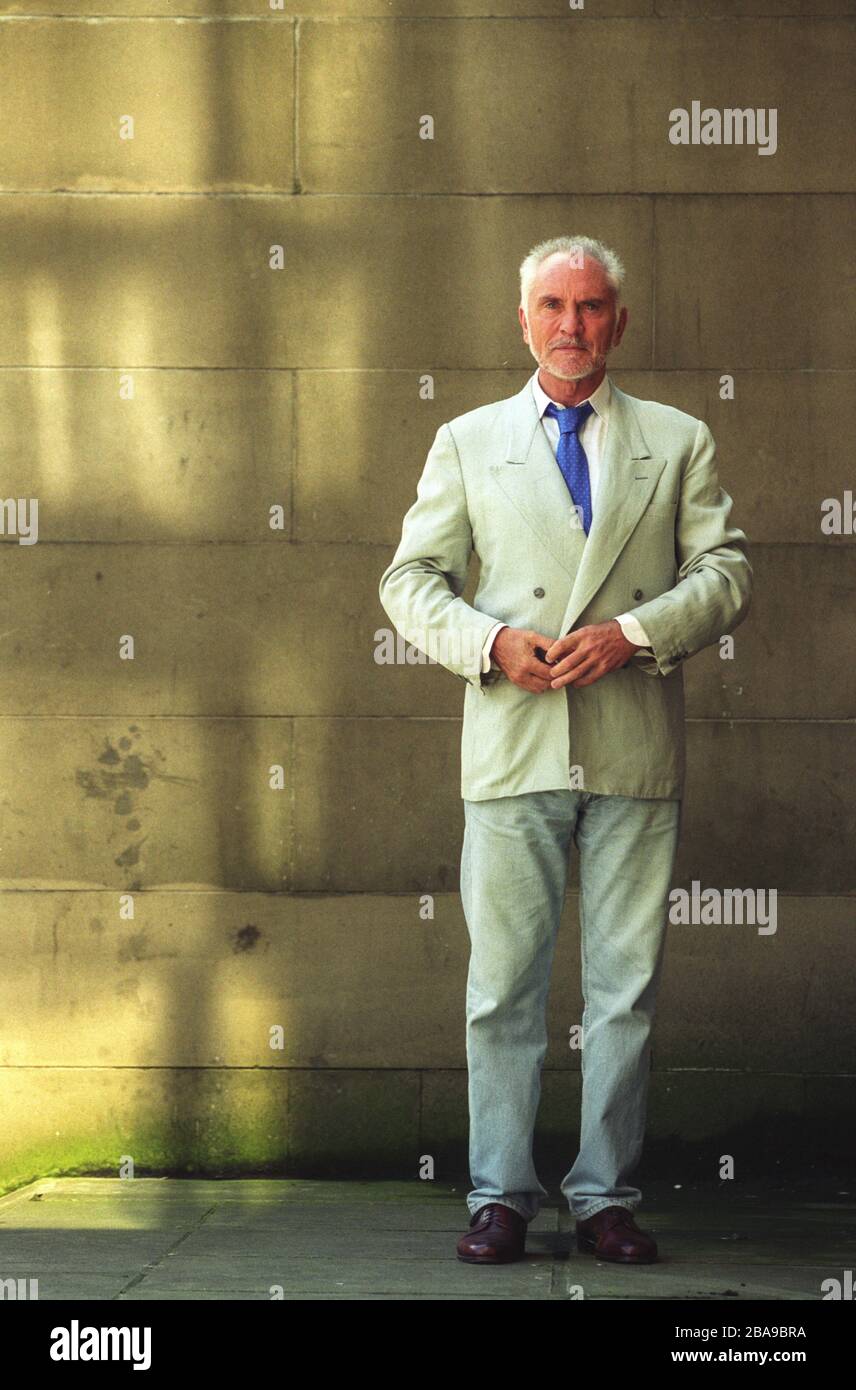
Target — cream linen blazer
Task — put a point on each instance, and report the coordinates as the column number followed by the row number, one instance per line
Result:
column 661, row 547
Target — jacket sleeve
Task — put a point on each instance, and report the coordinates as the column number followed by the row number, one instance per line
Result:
column 420, row 590
column 714, row 588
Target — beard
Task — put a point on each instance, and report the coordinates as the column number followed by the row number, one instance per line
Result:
column 585, row 363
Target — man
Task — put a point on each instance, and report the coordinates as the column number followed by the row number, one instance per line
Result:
column 607, row 559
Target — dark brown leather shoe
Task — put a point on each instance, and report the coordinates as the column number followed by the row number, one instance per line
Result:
column 497, row 1235
column 612, row 1234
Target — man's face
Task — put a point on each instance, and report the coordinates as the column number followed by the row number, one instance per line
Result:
column 570, row 321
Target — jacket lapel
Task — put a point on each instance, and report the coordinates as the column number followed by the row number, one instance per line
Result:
column 628, row 476
column 530, row 477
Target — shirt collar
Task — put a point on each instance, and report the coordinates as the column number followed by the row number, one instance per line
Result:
column 599, row 399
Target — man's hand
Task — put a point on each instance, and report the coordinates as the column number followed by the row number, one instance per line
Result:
column 513, row 649
column 585, row 655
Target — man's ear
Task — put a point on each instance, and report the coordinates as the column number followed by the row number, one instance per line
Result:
column 521, row 314
column 620, row 326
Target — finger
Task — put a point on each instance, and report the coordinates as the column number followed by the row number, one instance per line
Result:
column 536, row 667
column 562, row 646
column 538, row 644
column 538, row 684
column 572, row 662
column 575, row 677
column 524, row 680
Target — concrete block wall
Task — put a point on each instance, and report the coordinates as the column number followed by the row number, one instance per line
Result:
column 163, row 387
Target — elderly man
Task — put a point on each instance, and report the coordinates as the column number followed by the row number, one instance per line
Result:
column 607, row 559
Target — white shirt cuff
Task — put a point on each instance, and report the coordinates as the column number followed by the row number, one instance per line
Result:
column 633, row 630
column 488, row 643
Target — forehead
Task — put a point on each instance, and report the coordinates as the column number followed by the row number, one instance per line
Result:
column 558, row 275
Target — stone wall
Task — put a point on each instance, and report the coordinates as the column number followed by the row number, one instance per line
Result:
column 168, row 385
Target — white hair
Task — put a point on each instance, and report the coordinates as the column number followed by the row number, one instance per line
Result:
column 572, row 244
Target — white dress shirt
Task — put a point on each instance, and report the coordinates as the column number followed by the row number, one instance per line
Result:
column 592, row 436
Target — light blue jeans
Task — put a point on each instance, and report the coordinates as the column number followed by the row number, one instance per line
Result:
column 514, row 870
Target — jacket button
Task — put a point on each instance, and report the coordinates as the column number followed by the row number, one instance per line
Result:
column 539, row 593
column 637, row 593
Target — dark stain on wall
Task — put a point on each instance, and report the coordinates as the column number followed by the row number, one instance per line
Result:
column 246, row 939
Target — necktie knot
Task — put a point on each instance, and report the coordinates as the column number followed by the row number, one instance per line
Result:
column 571, row 418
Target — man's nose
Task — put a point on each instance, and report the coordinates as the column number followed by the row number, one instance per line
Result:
column 571, row 323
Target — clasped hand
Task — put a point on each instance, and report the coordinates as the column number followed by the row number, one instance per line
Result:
column 580, row 658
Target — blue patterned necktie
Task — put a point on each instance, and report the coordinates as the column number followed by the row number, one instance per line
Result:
column 571, row 456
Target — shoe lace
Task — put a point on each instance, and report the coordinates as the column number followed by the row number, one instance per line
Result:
column 492, row 1214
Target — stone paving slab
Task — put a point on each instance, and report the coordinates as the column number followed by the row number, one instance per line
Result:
column 216, row 1276
column 75, row 1286
column 172, row 1239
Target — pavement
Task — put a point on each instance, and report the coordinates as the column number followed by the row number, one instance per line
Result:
column 261, row 1238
